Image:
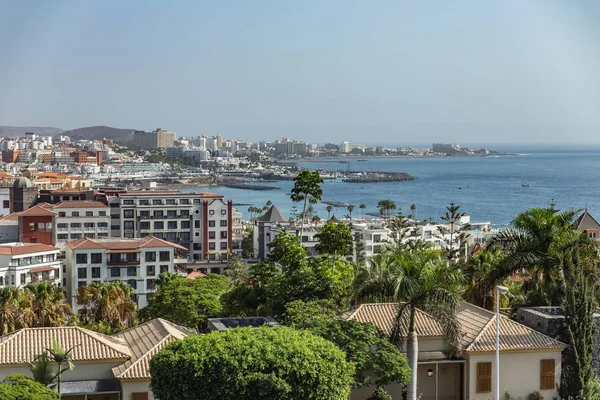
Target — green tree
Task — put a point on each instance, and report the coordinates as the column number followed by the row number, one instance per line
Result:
column 421, row 280
column 306, row 190
column 359, row 249
column 413, row 211
column 478, row 270
column 248, row 243
column 286, row 250
column 248, row 294
column 329, row 208
column 63, row 359
column 48, row 304
column 458, row 232
column 579, row 305
column 19, row 387
column 106, row 302
column 188, row 302
column 335, row 239
column 386, row 207
column 350, row 209
column 42, row 370
column 251, row 363
column 364, row 344
column 15, row 310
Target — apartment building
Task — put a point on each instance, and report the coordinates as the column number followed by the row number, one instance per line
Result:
column 23, row 263
column 201, row 222
column 137, row 261
column 81, row 218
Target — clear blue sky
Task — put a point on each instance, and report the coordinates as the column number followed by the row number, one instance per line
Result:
column 364, row 71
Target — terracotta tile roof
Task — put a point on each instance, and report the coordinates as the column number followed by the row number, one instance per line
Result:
column 37, row 211
column 152, row 192
column 145, row 341
column 477, row 325
column 195, row 274
column 16, row 249
column 210, row 195
column 382, row 315
column 80, row 204
column 23, row 346
column 121, row 243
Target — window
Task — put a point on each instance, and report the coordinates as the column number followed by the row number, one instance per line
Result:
column 41, row 226
column 157, row 202
column 150, row 284
column 165, row 256
column 102, row 224
column 172, row 213
column 62, row 236
column 150, row 256
column 32, row 226
column 171, row 202
column 115, row 227
column 484, row 377
column 62, row 214
column 185, row 224
column 81, row 273
column 211, row 246
column 39, row 259
column 171, row 236
column 164, row 268
column 89, row 213
column 128, row 202
column 75, row 236
column 115, row 272
column 76, row 225
column 185, row 236
column 223, row 245
column 159, row 225
column 150, row 271
column 75, row 214
column 196, row 201
column 22, row 279
column 81, row 283
column 49, row 227
column 128, row 225
column 197, row 224
column 211, row 235
column 62, row 226
column 6, row 204
column 547, row 374
column 224, row 235
column 224, row 223
column 211, row 224
column 145, row 214
column 95, row 272
column 128, row 214
column 158, row 214
column 185, row 213
column 144, row 225
column 1, row 281
column 102, row 213
column 81, row 258
column 144, row 202
column 96, row 258
column 184, row 201
column 172, row 225
column 131, row 271
column 197, row 246
column 89, row 225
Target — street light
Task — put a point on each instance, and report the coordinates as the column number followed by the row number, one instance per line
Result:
column 499, row 290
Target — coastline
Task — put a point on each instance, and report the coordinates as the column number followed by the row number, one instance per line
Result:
column 354, row 158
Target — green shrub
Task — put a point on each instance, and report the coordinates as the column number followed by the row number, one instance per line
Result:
column 380, row 394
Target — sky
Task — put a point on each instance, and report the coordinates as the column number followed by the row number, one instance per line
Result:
column 510, row 71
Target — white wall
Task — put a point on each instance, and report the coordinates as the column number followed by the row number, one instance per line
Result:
column 82, row 371
column 519, row 374
column 129, row 387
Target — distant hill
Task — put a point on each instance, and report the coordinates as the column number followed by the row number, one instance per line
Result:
column 16, row 131
column 99, row 133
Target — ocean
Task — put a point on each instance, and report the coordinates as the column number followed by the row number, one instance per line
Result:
column 486, row 188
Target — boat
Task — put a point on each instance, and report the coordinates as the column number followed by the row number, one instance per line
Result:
column 525, row 184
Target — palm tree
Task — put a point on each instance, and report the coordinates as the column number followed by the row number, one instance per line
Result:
column 109, row 302
column 362, row 210
column 413, row 211
column 61, row 357
column 306, row 190
column 15, row 310
column 41, row 370
column 534, row 244
column 376, row 280
column 350, row 209
column 48, row 304
column 422, row 280
column 477, row 270
column 329, row 208
column 386, row 207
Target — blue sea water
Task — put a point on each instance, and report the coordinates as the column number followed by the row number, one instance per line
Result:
column 487, row 188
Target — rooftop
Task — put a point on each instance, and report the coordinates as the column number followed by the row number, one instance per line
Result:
column 121, row 243
column 80, row 204
column 222, row 324
column 18, row 248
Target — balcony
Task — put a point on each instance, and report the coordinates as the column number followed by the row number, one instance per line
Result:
column 116, row 262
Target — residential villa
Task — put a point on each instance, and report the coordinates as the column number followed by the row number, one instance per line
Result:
column 106, row 367
column 529, row 360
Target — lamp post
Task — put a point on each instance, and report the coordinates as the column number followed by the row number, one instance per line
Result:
column 499, row 290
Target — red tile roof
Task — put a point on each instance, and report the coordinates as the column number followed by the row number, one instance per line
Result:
column 25, row 248
column 121, row 243
column 195, row 274
column 37, row 211
column 80, row 204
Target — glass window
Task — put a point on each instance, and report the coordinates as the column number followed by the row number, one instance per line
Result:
column 144, row 202
column 224, row 222
column 102, row 213
column 185, row 224
column 185, row 213
column 95, row 272
column 150, row 256
column 75, row 236
column 196, row 201
column 211, row 246
column 172, row 225
column 62, row 236
column 157, row 202
column 96, row 258
column 223, row 245
column 39, row 259
column 158, row 214
column 128, row 224
column 131, row 271
column 89, row 224
column 62, row 214
column 32, row 226
column 82, row 273
column 211, row 224
column 76, row 225
column 81, row 283
column 62, row 226
column 164, row 268
column 81, row 258
column 115, row 272
column 171, row 236
column 132, row 283
column 49, row 227
column 144, row 214
column 211, row 234
column 171, row 202
column 165, row 256
column 172, row 213
column 159, row 225
column 185, row 236
column 150, row 270
column 41, row 226
column 145, row 225
column 75, row 214
column 224, row 235
column 89, row 213
column 197, row 224
column 23, row 279
column 150, row 284
column 127, row 201
column 184, row 201
column 128, row 214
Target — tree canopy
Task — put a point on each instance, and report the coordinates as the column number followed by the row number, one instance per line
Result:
column 19, row 387
column 251, row 363
column 335, row 239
